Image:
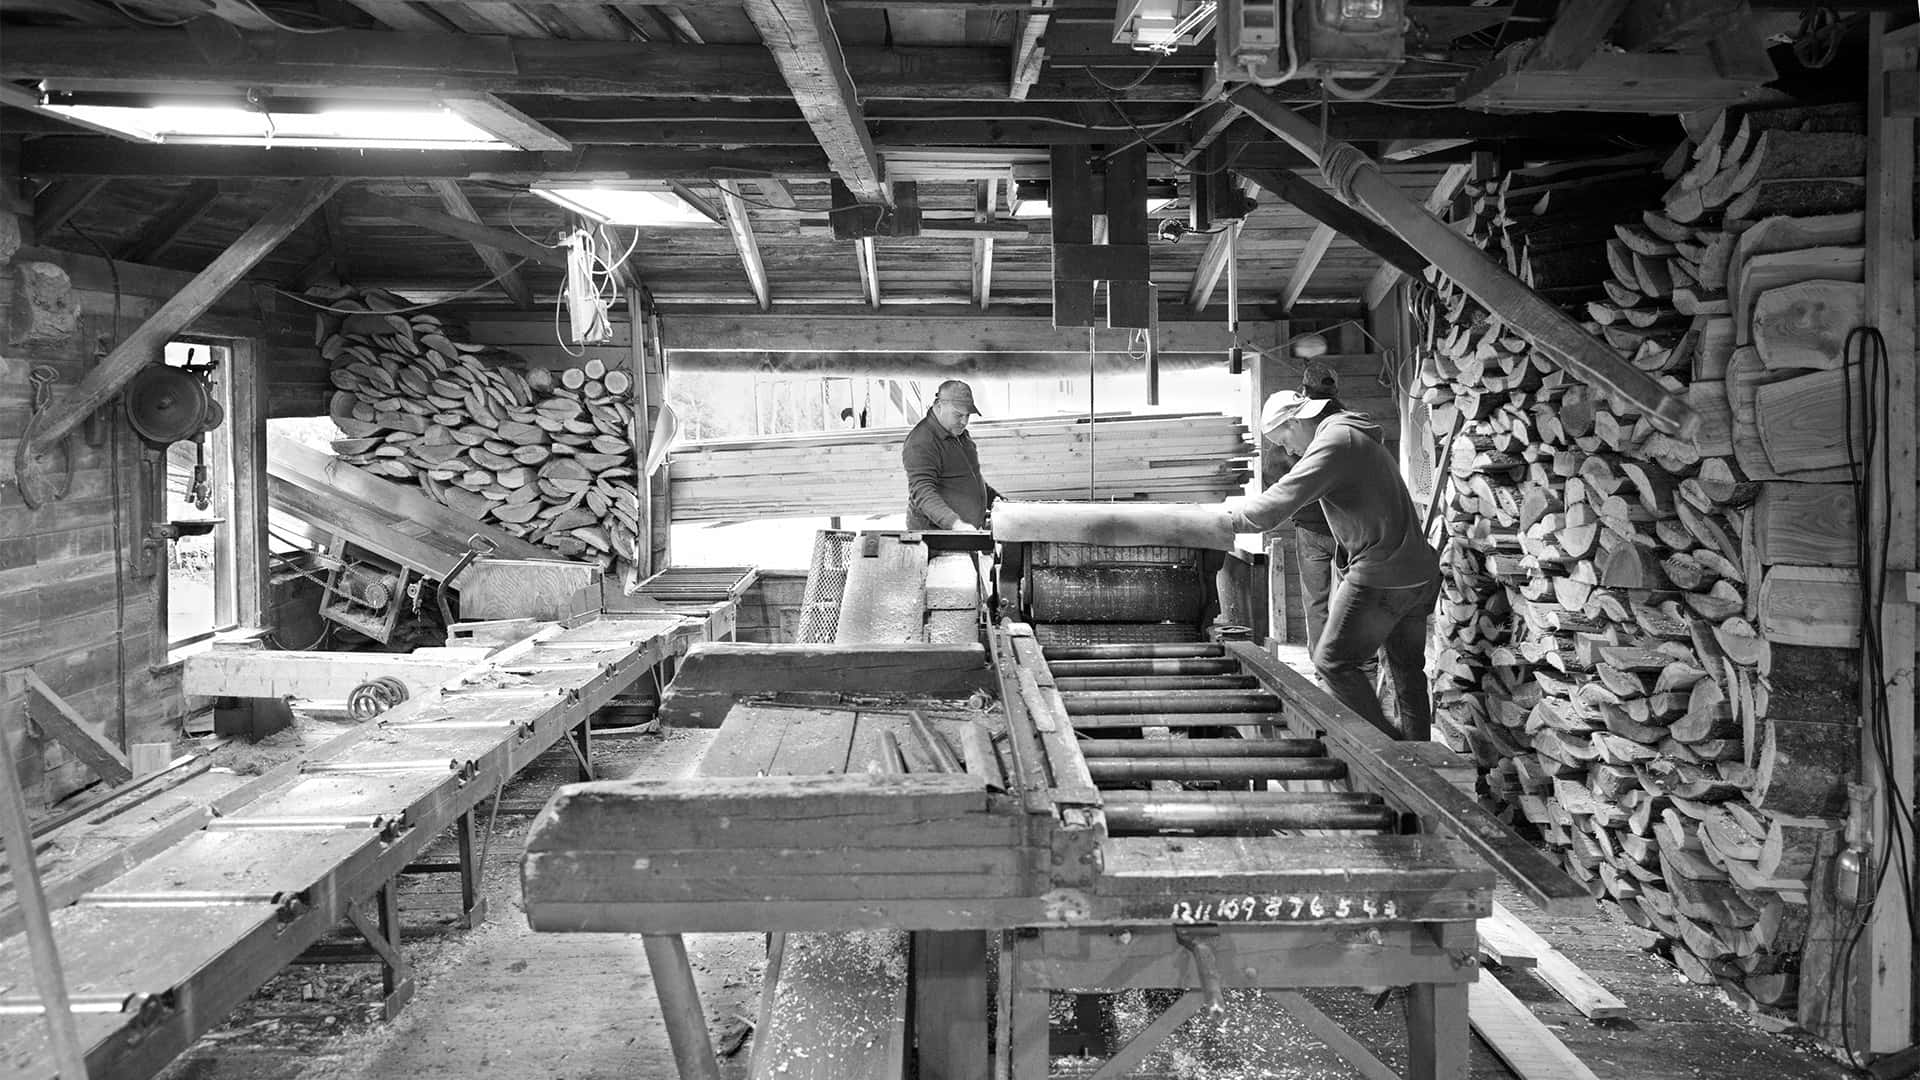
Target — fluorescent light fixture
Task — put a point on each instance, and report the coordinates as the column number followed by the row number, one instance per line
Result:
column 615, row 203
column 453, row 122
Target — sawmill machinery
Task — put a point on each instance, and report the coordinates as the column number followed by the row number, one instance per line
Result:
column 1107, row 781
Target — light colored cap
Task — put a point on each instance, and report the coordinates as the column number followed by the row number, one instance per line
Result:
column 1287, row 405
column 958, row 393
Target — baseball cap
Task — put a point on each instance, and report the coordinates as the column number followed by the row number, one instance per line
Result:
column 1287, row 405
column 958, row 393
column 1319, row 381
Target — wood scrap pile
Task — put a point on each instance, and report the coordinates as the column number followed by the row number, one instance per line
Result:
column 1650, row 644
column 545, row 455
column 1197, row 457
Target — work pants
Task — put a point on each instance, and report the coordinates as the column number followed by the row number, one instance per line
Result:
column 1363, row 620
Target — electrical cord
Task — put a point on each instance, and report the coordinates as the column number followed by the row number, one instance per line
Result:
column 1109, row 87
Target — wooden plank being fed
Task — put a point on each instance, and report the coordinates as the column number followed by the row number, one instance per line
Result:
column 325, row 676
column 1581, row 990
column 1394, row 771
column 1518, row 1036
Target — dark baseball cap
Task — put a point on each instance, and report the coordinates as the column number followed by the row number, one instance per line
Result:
column 956, row 392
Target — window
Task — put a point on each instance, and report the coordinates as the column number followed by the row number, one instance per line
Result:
column 198, row 480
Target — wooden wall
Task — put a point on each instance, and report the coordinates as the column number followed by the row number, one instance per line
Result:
column 63, row 612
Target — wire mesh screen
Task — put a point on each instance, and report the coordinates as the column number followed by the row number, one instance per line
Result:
column 1056, row 553
column 826, row 584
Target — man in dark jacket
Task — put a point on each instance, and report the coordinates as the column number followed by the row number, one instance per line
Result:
column 1392, row 576
column 944, row 487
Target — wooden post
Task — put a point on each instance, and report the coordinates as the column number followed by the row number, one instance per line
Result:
column 247, row 434
column 68, row 1054
column 1266, row 374
column 1887, row 754
column 643, row 425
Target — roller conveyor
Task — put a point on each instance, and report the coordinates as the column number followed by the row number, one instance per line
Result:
column 163, row 951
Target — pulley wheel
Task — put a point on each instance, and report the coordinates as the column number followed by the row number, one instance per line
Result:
column 167, row 404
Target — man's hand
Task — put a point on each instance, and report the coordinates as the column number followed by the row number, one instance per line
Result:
column 965, row 526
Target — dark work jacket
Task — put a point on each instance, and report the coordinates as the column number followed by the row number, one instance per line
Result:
column 944, row 485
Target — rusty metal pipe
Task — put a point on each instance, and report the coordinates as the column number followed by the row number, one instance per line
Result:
column 1140, row 769
column 1361, row 183
column 1125, row 668
column 1166, row 650
column 1137, row 702
column 1191, row 748
column 1239, row 813
column 1176, row 683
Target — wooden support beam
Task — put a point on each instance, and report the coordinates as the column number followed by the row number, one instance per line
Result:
column 1887, row 752
column 1028, row 54
column 1389, row 275
column 986, row 196
column 61, row 200
column 740, row 226
column 850, row 334
column 401, row 15
column 1558, row 336
column 143, row 346
column 505, row 273
column 776, row 193
column 332, row 258
column 1301, row 193
column 1208, row 127
column 1577, row 31
column 57, row 718
column 461, row 228
column 868, row 257
column 1303, row 268
column 160, row 233
column 804, row 45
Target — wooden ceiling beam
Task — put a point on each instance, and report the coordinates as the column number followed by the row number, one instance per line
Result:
column 869, row 259
column 402, row 15
column 1331, row 212
column 1304, row 267
column 61, row 200
column 1213, row 261
column 1028, row 55
column 505, row 274
column 740, row 226
column 806, row 49
column 160, row 233
column 462, row 227
column 1389, row 275
column 986, row 198
column 862, row 332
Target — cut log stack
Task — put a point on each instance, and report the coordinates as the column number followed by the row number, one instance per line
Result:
column 545, row 455
column 1189, row 457
column 1648, row 643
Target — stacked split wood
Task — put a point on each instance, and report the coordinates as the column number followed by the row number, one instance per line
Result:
column 1197, row 457
column 1648, row 643
column 547, row 456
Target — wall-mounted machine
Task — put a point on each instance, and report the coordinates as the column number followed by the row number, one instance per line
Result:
column 167, row 404
column 1272, row 41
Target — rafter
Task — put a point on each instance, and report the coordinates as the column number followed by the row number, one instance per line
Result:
column 1330, row 211
column 160, row 233
column 1028, row 55
column 505, row 272
column 741, row 228
column 869, row 259
column 1213, row 261
column 986, row 195
column 75, row 155
column 1309, row 261
column 461, row 228
column 804, row 45
column 61, row 200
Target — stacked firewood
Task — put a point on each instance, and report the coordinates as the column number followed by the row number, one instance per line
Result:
column 1648, row 643
column 546, row 456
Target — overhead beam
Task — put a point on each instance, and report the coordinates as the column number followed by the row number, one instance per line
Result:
column 801, row 37
column 1304, row 267
column 1300, row 193
column 1028, row 55
column 74, row 155
column 143, row 346
column 740, row 226
column 867, row 256
column 160, row 233
column 61, row 200
column 1577, row 31
column 868, row 333
column 1389, row 275
column 460, row 228
column 505, row 273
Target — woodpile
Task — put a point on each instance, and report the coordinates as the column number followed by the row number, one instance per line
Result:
column 1198, row 457
column 1647, row 643
column 545, row 455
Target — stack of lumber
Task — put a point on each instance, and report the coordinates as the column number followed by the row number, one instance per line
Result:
column 546, row 456
column 1194, row 457
column 1647, row 643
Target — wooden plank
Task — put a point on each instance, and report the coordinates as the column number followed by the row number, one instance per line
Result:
column 327, row 676
column 139, row 348
column 57, row 718
column 1576, row 32
column 1581, row 990
column 1518, row 1036
column 1810, row 605
column 805, row 46
column 1305, row 265
column 69, row 1054
column 1396, row 773
column 1803, row 524
column 884, row 334
column 1887, row 757
column 505, row 273
column 740, row 227
column 1508, row 941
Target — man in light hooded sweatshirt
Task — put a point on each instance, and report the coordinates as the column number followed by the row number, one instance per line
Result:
column 1392, row 576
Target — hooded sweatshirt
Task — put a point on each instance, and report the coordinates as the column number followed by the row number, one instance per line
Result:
column 1348, row 469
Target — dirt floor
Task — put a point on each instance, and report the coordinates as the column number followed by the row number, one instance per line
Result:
column 503, row 1003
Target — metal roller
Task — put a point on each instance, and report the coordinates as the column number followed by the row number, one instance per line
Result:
column 1133, row 770
column 1120, row 721
column 1071, row 635
column 1182, row 650
column 1240, row 813
column 1063, row 669
column 1138, row 703
column 1175, row 683
column 1115, row 594
column 1208, row 748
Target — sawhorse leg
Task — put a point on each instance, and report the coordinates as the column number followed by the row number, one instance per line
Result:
column 581, row 741
column 680, row 1008
column 396, row 975
column 1438, row 1038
